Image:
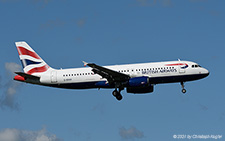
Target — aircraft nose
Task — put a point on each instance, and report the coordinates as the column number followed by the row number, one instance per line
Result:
column 205, row 72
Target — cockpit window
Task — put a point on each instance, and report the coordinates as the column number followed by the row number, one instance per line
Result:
column 196, row 66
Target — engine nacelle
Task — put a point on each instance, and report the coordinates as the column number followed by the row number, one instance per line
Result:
column 138, row 81
column 140, row 90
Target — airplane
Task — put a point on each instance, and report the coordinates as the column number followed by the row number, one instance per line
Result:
column 136, row 78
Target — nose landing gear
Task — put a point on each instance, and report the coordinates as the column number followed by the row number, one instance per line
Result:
column 183, row 89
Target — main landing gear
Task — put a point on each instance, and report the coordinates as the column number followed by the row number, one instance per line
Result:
column 183, row 89
column 117, row 94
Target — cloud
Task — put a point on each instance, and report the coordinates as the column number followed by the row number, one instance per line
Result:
column 0, row 81
column 222, row 116
column 167, row 3
column 130, row 133
column 99, row 108
column 80, row 135
column 203, row 107
column 10, row 134
column 151, row 3
column 214, row 13
column 36, row 2
column 81, row 22
column 146, row 2
column 12, row 67
column 198, row 0
column 41, row 3
column 10, row 87
column 52, row 24
column 4, row 1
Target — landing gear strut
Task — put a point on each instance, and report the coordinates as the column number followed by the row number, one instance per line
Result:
column 183, row 89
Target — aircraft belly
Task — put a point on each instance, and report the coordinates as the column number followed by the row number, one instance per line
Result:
column 176, row 78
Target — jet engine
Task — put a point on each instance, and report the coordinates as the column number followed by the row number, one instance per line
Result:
column 139, row 85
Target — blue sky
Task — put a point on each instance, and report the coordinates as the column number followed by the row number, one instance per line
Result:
column 64, row 33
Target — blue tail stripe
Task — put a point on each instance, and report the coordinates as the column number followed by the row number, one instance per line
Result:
column 26, row 62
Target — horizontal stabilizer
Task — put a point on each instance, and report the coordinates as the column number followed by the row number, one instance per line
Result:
column 25, row 75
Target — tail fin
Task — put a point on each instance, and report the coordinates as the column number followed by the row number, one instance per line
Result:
column 31, row 61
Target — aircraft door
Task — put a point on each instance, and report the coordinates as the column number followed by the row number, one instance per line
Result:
column 54, row 76
column 181, row 70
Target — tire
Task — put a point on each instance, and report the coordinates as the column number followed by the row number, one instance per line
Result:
column 115, row 93
column 184, row 91
column 119, row 97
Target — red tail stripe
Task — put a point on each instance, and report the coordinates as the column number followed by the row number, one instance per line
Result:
column 38, row 69
column 24, row 51
column 176, row 64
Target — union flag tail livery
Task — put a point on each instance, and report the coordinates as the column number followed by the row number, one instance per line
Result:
column 136, row 78
column 32, row 63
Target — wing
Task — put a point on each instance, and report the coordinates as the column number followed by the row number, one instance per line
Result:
column 111, row 75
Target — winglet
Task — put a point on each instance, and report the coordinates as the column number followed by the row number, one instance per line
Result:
column 85, row 63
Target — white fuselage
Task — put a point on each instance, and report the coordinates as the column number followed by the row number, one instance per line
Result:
column 159, row 72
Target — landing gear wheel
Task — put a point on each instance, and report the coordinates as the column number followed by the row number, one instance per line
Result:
column 114, row 93
column 184, row 91
column 117, row 95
